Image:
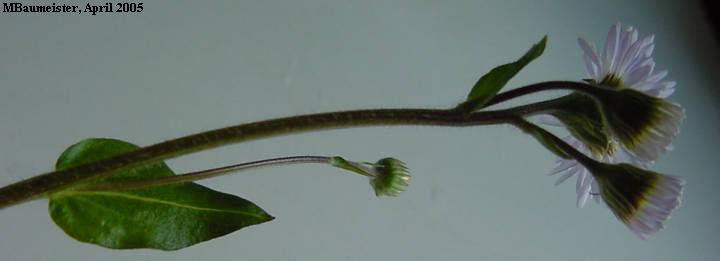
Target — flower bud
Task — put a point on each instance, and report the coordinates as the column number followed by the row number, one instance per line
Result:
column 388, row 176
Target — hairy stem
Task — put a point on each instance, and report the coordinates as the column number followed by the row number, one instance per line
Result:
column 47, row 183
column 543, row 86
column 44, row 184
column 561, row 144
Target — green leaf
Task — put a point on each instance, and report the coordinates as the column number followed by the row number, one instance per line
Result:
column 492, row 82
column 166, row 217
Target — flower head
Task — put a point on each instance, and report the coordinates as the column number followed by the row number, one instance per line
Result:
column 388, row 176
column 626, row 62
column 644, row 125
column 632, row 122
column 641, row 199
column 391, row 177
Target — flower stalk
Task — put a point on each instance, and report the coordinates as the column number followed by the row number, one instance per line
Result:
column 205, row 174
column 388, row 176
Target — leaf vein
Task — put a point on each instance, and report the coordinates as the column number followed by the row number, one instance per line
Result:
column 150, row 200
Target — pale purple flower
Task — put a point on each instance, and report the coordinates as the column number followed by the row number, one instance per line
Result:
column 657, row 207
column 625, row 62
column 643, row 200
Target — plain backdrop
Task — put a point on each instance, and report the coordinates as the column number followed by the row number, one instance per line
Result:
column 181, row 67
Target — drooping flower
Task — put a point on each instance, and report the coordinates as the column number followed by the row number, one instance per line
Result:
column 645, row 126
column 641, row 199
column 633, row 123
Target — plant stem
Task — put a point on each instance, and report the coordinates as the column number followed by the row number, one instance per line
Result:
column 205, row 174
column 44, row 184
column 47, row 183
column 561, row 144
column 544, row 86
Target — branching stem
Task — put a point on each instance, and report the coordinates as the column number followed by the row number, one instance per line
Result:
column 47, row 183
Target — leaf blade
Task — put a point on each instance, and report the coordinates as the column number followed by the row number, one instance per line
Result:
column 166, row 217
column 492, row 82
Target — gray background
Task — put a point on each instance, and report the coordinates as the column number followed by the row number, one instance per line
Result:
column 181, row 67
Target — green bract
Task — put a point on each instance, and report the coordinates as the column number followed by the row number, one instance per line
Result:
column 166, row 217
column 388, row 176
column 645, row 125
column 392, row 177
column 582, row 118
column 492, row 82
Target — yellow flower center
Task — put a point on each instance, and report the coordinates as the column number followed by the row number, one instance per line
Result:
column 611, row 80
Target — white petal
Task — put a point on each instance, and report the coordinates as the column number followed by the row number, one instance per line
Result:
column 591, row 68
column 623, row 155
column 649, row 218
column 610, row 51
column 582, row 199
column 638, row 75
column 580, row 184
column 575, row 143
column 563, row 165
column 667, row 89
column 592, row 56
column 660, row 90
column 625, row 51
column 657, row 76
column 649, row 45
column 625, row 40
column 564, row 177
column 547, row 119
column 639, row 62
column 629, row 59
column 583, row 191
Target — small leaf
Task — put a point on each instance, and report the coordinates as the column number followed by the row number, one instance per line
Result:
column 166, row 217
column 492, row 82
